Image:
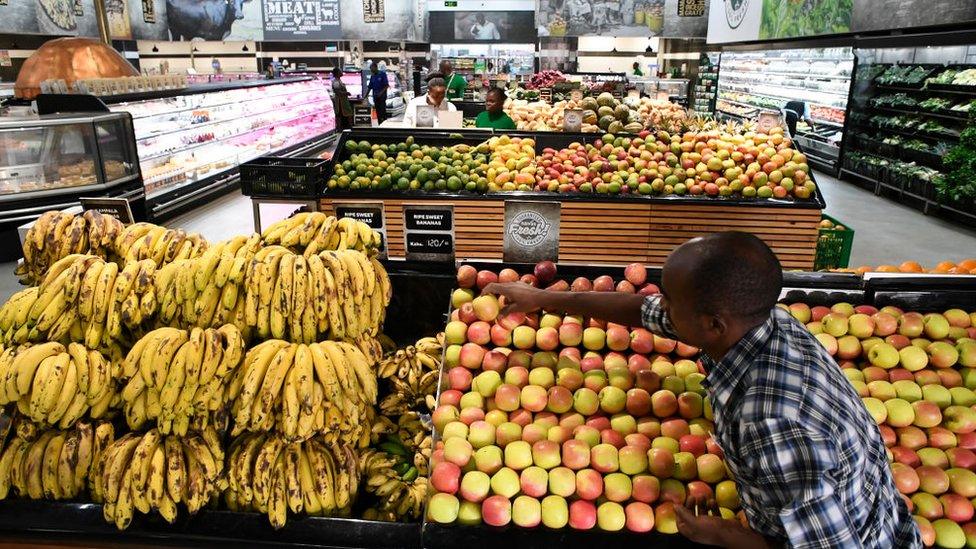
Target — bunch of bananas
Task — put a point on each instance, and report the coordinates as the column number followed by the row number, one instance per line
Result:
column 314, row 232
column 174, row 376
column 269, row 475
column 400, row 491
column 206, row 291
column 335, row 294
column 299, row 390
column 151, row 471
column 147, row 241
column 54, row 385
column 82, row 298
column 413, row 374
column 52, row 464
column 57, row 234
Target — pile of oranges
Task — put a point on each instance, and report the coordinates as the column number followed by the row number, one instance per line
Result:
column 966, row 266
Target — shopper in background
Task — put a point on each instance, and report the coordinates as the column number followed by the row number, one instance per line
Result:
column 793, row 112
column 456, row 84
column 637, row 69
column 379, row 83
column 435, row 97
column 807, row 457
column 494, row 116
column 483, row 29
column 344, row 110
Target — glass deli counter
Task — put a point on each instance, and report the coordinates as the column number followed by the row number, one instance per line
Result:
column 49, row 162
column 190, row 142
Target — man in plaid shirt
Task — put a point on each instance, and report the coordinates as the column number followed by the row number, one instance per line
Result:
column 808, row 459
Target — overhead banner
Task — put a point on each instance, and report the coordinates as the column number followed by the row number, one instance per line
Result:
column 685, row 19
column 751, row 20
column 488, row 26
column 360, row 20
column 301, row 19
column 614, row 18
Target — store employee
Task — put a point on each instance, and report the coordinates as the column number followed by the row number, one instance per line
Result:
column 456, row 84
column 436, row 90
column 494, row 117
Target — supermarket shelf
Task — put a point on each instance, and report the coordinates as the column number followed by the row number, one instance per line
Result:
column 205, row 106
column 827, row 122
column 929, row 114
column 727, row 87
column 226, row 138
column 733, row 72
column 225, row 120
column 941, row 137
column 198, row 89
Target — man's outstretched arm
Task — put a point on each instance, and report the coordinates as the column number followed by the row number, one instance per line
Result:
column 620, row 308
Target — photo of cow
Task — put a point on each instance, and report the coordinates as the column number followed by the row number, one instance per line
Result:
column 214, row 19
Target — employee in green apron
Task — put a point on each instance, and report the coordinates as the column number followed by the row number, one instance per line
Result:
column 494, row 117
column 456, row 84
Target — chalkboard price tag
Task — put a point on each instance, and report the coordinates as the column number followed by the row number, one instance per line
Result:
column 431, row 244
column 429, row 219
column 115, row 207
column 429, row 232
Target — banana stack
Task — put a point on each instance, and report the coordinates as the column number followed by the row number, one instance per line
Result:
column 268, row 475
column 141, row 241
column 53, row 463
column 150, row 471
column 300, row 390
column 57, row 234
column 207, row 291
column 413, row 373
column 177, row 377
column 82, row 298
column 57, row 385
column 400, row 491
column 335, row 295
column 312, row 232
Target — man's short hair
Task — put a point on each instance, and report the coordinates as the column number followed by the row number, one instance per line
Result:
column 496, row 91
column 436, row 83
column 735, row 273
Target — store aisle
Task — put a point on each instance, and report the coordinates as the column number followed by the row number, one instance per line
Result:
column 886, row 232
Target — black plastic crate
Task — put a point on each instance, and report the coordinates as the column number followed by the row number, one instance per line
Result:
column 281, row 176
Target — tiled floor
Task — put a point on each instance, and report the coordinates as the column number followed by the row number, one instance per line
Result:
column 885, row 232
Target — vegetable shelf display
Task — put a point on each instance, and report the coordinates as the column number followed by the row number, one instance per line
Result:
column 906, row 119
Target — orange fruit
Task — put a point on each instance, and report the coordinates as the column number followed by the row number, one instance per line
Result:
column 887, row 269
column 941, row 269
column 972, row 272
column 968, row 264
column 863, row 269
column 910, row 267
column 945, row 266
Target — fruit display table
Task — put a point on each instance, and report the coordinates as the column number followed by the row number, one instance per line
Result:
column 590, row 228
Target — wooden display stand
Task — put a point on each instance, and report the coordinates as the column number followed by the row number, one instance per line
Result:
column 609, row 231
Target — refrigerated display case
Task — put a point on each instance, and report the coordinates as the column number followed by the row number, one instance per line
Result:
column 706, row 85
column 49, row 162
column 190, row 142
column 819, row 77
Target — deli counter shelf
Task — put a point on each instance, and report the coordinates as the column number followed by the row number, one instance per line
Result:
column 191, row 141
column 49, row 162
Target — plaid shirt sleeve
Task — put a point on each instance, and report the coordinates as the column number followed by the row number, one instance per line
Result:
column 655, row 318
column 794, row 465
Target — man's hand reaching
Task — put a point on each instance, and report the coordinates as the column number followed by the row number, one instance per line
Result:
column 701, row 522
column 519, row 297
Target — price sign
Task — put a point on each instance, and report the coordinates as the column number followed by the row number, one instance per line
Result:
column 426, row 116
column 429, row 232
column 115, row 207
column 370, row 213
column 531, row 231
column 374, row 11
column 572, row 120
column 576, row 95
column 691, row 8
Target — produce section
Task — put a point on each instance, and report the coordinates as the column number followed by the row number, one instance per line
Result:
column 821, row 78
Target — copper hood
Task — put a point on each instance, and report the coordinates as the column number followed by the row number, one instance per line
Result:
column 70, row 59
